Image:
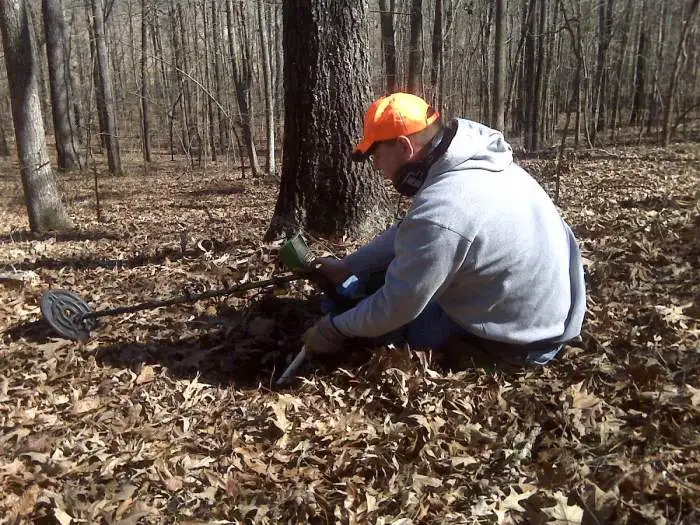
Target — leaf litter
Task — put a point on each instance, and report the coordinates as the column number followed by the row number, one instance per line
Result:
column 169, row 414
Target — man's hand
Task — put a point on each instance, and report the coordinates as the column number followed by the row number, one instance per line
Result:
column 334, row 269
column 323, row 338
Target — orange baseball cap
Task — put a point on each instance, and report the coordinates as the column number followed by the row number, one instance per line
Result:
column 391, row 117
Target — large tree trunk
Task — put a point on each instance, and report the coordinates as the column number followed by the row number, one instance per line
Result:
column 326, row 90
column 415, row 52
column 386, row 19
column 54, row 29
column 44, row 206
column 111, row 138
column 670, row 93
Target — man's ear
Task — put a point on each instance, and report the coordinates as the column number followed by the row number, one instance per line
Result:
column 406, row 146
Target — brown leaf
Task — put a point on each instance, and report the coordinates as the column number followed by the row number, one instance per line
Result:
column 86, row 404
column 146, row 375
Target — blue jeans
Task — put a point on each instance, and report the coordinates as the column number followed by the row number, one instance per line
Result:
column 433, row 328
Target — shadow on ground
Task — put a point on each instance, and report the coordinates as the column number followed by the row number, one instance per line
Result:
column 245, row 348
column 159, row 257
column 70, row 236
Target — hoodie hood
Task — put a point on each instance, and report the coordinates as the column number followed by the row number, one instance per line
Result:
column 474, row 146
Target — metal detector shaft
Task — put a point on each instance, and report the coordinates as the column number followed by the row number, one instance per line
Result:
column 195, row 297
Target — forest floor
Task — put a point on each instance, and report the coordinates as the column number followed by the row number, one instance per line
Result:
column 170, row 415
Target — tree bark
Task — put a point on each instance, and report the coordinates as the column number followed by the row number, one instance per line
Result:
column 326, row 89
column 111, row 138
column 4, row 148
column 386, row 19
column 415, row 52
column 44, row 206
column 54, row 29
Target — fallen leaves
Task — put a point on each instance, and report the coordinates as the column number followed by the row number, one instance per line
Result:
column 169, row 414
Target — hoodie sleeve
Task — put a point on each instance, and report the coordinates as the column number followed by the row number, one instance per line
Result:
column 374, row 256
column 427, row 259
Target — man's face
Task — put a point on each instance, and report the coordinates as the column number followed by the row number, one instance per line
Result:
column 388, row 156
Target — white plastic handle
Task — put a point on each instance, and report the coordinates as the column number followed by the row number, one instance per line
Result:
column 293, row 366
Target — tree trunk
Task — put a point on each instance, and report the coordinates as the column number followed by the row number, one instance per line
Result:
column 111, row 138
column 44, row 206
column 242, row 78
column 386, row 19
column 211, row 87
column 530, row 79
column 499, row 67
column 640, row 70
column 218, row 75
column 600, row 83
column 75, row 76
column 538, row 101
column 437, row 59
column 618, row 68
column 145, row 112
column 322, row 190
column 654, row 96
column 267, row 83
column 415, row 52
column 54, row 29
column 180, row 85
column 668, row 106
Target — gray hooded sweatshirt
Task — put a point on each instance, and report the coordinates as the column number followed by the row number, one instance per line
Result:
column 484, row 240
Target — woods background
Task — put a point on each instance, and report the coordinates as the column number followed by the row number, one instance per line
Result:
column 204, row 78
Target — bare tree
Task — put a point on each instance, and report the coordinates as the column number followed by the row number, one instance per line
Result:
column 640, row 69
column 605, row 8
column 268, row 89
column 499, row 67
column 386, row 19
column 438, row 66
column 415, row 52
column 145, row 113
column 688, row 22
column 111, row 138
column 322, row 190
column 242, row 77
column 54, row 29
column 44, row 206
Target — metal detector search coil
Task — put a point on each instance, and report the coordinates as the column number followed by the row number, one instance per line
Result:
column 67, row 314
